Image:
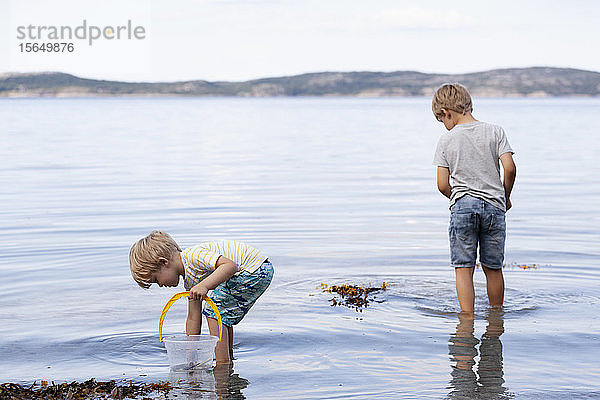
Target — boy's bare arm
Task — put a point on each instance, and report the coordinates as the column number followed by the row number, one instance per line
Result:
column 510, row 173
column 193, row 324
column 443, row 181
column 225, row 269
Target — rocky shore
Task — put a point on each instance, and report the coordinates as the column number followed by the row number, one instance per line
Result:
column 514, row 82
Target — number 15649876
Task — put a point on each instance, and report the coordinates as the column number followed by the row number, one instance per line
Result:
column 46, row 47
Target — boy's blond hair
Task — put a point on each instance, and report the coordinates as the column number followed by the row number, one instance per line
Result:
column 451, row 96
column 144, row 255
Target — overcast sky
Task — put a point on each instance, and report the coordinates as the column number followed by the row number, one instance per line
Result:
column 246, row 39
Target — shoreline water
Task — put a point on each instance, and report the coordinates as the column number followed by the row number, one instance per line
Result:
column 335, row 191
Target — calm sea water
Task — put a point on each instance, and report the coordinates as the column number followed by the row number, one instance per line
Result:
column 333, row 190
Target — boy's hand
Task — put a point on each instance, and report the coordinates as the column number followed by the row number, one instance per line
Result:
column 224, row 269
column 508, row 204
column 198, row 292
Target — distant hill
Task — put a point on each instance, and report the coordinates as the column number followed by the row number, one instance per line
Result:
column 513, row 82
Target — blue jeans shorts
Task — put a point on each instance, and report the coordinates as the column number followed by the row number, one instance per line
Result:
column 235, row 296
column 476, row 222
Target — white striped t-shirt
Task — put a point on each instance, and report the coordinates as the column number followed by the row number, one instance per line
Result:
column 200, row 260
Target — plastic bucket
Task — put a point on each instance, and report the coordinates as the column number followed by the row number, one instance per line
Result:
column 189, row 352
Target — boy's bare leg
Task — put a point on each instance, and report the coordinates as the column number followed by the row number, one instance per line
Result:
column 465, row 289
column 222, row 348
column 495, row 286
column 230, row 333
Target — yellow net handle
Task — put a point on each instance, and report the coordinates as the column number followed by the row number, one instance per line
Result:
column 187, row 294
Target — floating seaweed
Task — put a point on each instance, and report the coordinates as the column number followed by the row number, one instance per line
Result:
column 525, row 266
column 352, row 296
column 90, row 389
column 514, row 265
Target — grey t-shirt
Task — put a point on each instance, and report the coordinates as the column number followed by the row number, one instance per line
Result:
column 471, row 152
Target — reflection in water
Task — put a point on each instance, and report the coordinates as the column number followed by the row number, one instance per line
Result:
column 488, row 382
column 219, row 384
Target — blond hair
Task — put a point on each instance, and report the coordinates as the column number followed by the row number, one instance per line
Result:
column 451, row 96
column 145, row 253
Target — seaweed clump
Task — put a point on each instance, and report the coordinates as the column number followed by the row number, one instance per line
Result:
column 525, row 266
column 514, row 265
column 90, row 389
column 352, row 296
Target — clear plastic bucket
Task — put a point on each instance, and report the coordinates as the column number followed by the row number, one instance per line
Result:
column 189, row 352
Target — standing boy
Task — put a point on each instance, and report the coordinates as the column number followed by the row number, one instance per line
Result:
column 468, row 173
column 237, row 274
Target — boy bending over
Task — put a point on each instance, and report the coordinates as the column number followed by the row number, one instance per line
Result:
column 237, row 273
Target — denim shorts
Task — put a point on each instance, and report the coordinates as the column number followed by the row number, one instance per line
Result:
column 475, row 222
column 235, row 296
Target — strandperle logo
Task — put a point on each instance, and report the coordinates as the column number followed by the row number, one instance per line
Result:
column 84, row 31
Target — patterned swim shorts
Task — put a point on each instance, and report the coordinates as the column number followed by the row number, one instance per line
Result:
column 235, row 296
